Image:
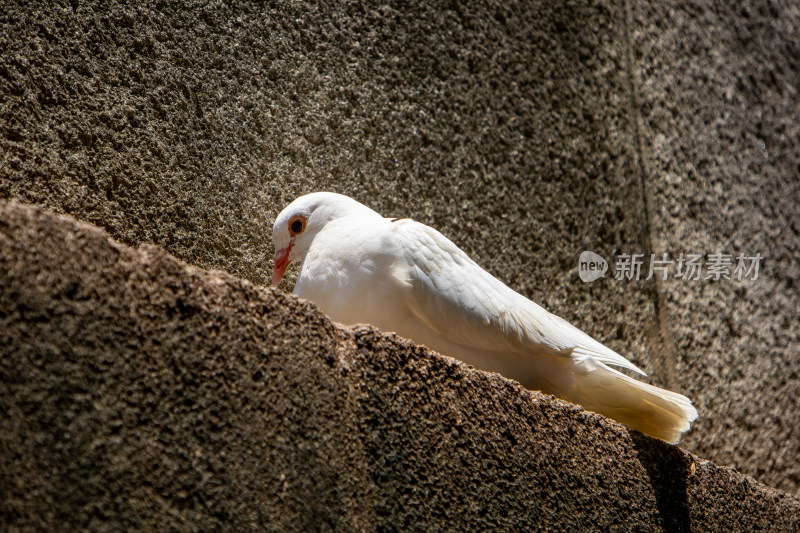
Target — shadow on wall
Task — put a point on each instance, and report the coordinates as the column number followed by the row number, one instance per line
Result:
column 668, row 468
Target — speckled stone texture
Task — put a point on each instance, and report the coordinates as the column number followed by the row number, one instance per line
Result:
column 722, row 122
column 141, row 393
column 526, row 131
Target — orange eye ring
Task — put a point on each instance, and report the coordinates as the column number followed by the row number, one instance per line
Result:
column 297, row 225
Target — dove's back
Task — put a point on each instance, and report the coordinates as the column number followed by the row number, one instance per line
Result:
column 406, row 277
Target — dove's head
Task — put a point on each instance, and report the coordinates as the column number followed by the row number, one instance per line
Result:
column 300, row 222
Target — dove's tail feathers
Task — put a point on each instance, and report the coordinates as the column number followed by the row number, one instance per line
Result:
column 655, row 412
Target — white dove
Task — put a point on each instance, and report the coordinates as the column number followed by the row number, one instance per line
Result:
column 403, row 276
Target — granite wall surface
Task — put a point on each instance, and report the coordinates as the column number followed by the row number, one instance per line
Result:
column 525, row 131
column 140, row 393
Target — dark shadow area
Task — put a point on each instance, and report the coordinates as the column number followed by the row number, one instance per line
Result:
column 667, row 467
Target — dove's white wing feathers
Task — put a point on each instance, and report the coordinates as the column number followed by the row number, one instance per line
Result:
column 466, row 304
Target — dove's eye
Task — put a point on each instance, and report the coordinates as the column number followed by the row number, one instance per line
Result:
column 297, row 224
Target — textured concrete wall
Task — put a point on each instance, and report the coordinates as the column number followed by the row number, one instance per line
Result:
column 140, row 393
column 527, row 132
column 720, row 116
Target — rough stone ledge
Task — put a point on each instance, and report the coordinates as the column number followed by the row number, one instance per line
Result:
column 139, row 392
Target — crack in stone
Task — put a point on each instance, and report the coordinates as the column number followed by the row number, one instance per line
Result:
column 658, row 334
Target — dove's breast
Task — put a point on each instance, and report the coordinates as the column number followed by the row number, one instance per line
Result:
column 359, row 279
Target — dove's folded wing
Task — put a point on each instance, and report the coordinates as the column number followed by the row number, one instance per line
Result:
column 467, row 305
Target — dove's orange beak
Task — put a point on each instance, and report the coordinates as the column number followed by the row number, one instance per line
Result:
column 281, row 263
